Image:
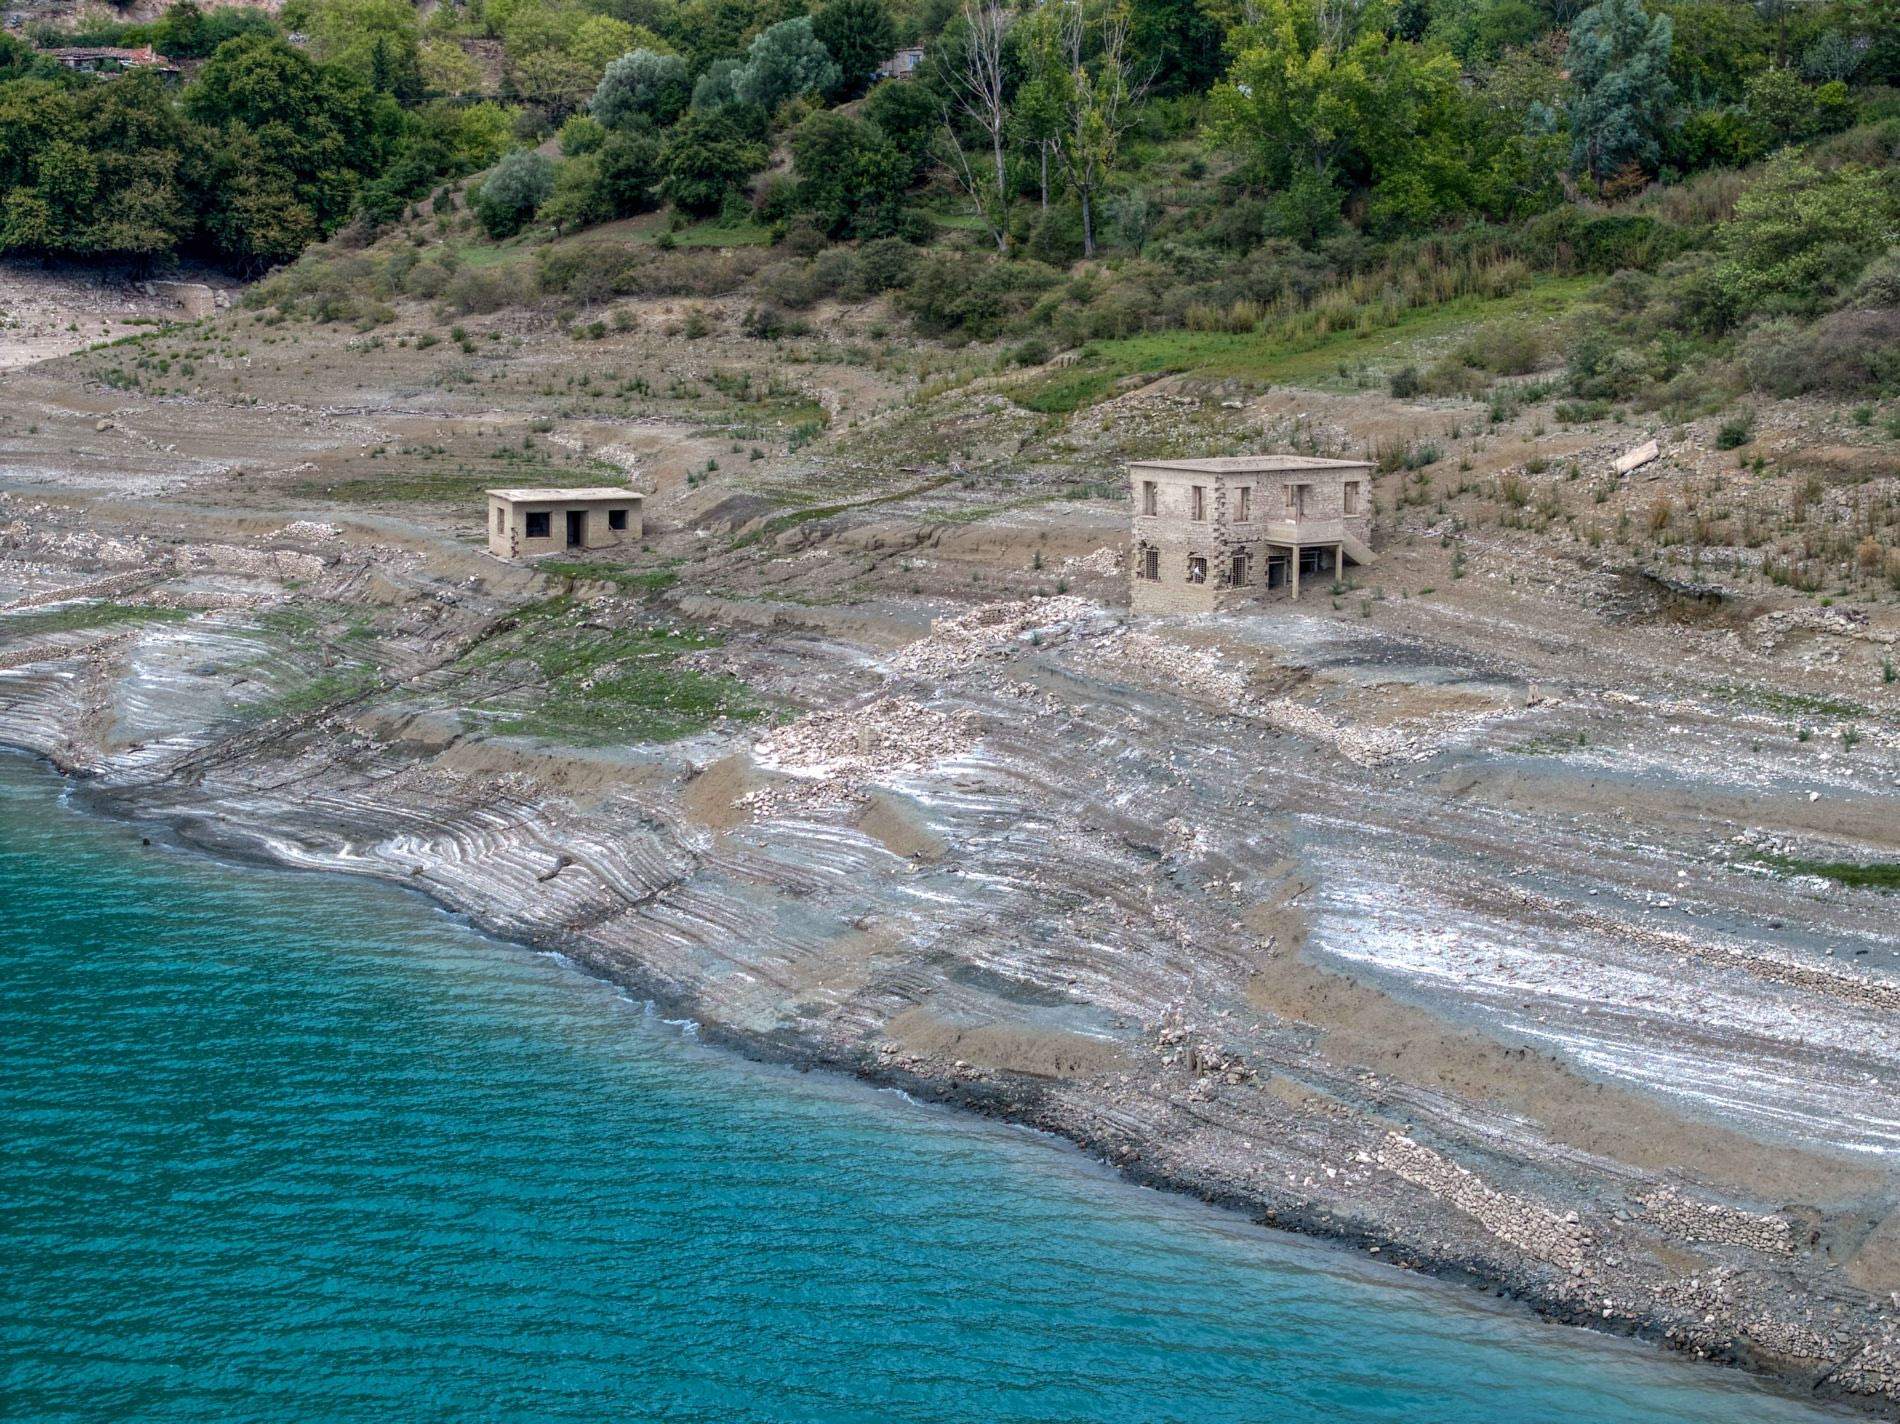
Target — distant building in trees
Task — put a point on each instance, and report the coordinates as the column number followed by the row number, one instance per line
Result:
column 902, row 65
column 109, row 59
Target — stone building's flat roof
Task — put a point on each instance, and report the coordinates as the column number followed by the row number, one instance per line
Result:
column 543, row 496
column 1250, row 464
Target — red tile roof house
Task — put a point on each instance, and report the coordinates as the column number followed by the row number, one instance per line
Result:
column 110, row 58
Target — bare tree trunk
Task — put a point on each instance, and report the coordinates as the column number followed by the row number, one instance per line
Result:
column 1044, row 147
column 977, row 80
column 1101, row 106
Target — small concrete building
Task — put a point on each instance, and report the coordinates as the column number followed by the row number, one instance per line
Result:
column 1212, row 533
column 524, row 523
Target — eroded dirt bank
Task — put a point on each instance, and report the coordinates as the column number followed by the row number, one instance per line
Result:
column 1465, row 927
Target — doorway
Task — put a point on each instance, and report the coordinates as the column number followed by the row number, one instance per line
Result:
column 576, row 528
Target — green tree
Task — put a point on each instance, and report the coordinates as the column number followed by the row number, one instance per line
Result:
column 576, row 200
column 294, row 140
column 1799, row 238
column 629, row 172
column 180, row 31
column 1317, row 93
column 377, row 41
column 1038, row 114
column 1621, row 96
column 704, row 157
column 908, row 115
column 546, row 61
column 509, row 196
column 1716, row 46
column 716, row 90
column 1177, row 44
column 446, row 69
column 1781, row 106
column 643, row 86
column 851, row 178
column 260, row 215
column 859, row 36
column 782, row 63
column 1097, row 99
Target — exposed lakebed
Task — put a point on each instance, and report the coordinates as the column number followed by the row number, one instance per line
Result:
column 291, row 1146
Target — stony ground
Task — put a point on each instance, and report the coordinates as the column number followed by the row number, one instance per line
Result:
column 1465, row 912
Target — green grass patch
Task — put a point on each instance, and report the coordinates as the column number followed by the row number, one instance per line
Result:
column 633, row 580
column 1881, row 875
column 85, row 618
column 598, row 685
column 1789, row 704
column 411, row 487
column 331, row 686
column 488, row 254
column 1260, row 358
column 1548, row 744
column 779, row 523
column 711, row 234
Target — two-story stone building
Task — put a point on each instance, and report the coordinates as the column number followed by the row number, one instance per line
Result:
column 1242, row 528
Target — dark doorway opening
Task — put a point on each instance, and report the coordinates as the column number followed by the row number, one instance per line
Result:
column 576, row 528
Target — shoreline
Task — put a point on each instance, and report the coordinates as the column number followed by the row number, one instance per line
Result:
column 1022, row 1104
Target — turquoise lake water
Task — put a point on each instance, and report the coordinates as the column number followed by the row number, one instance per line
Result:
column 288, row 1147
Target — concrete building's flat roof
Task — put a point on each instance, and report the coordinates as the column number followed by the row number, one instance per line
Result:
column 546, row 496
column 1250, row 464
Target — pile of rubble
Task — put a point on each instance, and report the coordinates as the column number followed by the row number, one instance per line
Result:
column 1710, row 1221
column 841, row 750
column 1198, row 672
column 1525, row 1224
column 1363, row 746
column 996, row 630
column 1106, row 561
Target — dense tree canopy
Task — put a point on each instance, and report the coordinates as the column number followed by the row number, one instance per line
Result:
column 1070, row 126
column 858, row 36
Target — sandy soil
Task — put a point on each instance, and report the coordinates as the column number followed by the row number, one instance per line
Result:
column 1440, row 914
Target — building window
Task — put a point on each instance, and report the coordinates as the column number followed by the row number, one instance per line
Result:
column 1352, row 497
column 501, row 520
column 538, row 525
column 1243, row 504
column 1197, row 502
column 1151, row 565
column 1150, row 497
column 1296, row 501
column 1237, row 575
column 616, row 519
column 1197, row 569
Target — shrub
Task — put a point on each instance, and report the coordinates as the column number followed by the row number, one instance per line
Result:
column 581, row 134
column 1405, row 383
column 704, row 157
column 486, row 289
column 885, row 263
column 1735, row 433
column 520, row 183
column 850, row 177
column 643, row 86
column 1778, row 356
column 1879, row 285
